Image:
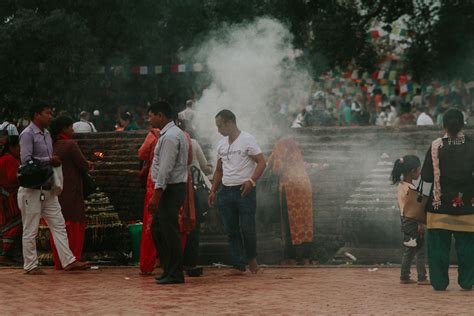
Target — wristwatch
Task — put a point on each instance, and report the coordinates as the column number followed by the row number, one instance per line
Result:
column 254, row 184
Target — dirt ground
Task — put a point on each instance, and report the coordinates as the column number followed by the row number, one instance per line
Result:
column 281, row 291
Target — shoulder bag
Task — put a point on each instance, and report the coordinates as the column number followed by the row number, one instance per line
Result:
column 415, row 205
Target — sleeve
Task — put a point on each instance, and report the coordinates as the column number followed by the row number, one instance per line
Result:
column 26, row 147
column 218, row 150
column 200, row 155
column 145, row 149
column 12, row 168
column 253, row 149
column 427, row 174
column 167, row 162
column 94, row 130
column 277, row 158
column 78, row 158
column 12, row 130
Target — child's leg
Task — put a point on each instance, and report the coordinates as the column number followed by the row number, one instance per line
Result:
column 407, row 259
column 410, row 232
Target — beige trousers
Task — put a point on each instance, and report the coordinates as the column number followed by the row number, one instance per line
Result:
column 32, row 209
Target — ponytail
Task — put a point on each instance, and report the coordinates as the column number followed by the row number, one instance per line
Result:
column 402, row 166
column 397, row 171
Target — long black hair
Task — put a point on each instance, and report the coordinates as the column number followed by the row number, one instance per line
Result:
column 58, row 125
column 453, row 121
column 404, row 165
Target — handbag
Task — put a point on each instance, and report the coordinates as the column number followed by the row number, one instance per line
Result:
column 88, row 184
column 34, row 174
column 415, row 204
column 201, row 194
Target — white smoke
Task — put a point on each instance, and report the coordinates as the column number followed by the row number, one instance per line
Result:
column 250, row 73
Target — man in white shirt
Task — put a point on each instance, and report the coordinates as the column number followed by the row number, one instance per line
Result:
column 423, row 119
column 84, row 126
column 9, row 127
column 169, row 172
column 187, row 116
column 240, row 163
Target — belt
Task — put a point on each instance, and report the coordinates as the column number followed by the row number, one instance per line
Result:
column 231, row 187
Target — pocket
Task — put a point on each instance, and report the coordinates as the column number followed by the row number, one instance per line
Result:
column 409, row 227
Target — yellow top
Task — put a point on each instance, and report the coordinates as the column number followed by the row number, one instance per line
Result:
column 460, row 223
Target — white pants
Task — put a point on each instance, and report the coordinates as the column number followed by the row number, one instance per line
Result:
column 32, row 209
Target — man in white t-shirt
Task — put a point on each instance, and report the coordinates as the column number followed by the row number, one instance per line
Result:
column 422, row 119
column 84, row 125
column 240, row 163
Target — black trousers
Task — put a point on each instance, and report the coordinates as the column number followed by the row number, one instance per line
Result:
column 191, row 251
column 165, row 229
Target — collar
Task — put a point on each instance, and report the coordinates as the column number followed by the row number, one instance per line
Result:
column 167, row 127
column 459, row 139
column 36, row 129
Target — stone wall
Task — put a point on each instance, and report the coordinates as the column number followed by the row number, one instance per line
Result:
column 354, row 203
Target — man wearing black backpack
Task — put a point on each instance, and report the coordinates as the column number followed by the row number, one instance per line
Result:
column 8, row 127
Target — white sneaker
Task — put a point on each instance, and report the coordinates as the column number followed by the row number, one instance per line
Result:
column 411, row 243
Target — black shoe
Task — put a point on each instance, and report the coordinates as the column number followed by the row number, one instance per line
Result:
column 170, row 280
column 161, row 277
column 194, row 272
column 240, row 268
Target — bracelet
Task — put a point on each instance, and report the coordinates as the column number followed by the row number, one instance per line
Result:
column 254, row 184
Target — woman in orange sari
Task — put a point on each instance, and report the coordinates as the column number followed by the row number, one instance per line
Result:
column 148, row 253
column 296, row 203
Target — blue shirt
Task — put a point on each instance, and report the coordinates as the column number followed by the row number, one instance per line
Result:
column 170, row 163
column 35, row 144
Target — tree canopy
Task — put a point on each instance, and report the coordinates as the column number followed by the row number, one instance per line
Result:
column 51, row 49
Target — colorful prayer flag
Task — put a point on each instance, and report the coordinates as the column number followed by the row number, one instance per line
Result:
column 158, row 69
column 374, row 34
column 181, row 68
column 392, row 75
column 198, row 67
column 143, row 70
column 355, row 75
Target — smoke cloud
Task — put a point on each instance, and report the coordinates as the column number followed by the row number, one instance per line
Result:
column 252, row 75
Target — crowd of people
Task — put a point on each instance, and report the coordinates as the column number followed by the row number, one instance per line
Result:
column 376, row 108
column 42, row 179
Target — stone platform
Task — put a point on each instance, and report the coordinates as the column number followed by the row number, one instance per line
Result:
column 275, row 291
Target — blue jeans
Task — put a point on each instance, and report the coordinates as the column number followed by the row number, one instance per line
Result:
column 238, row 216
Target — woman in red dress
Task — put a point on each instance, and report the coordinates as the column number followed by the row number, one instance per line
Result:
column 148, row 253
column 10, row 217
column 72, row 197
